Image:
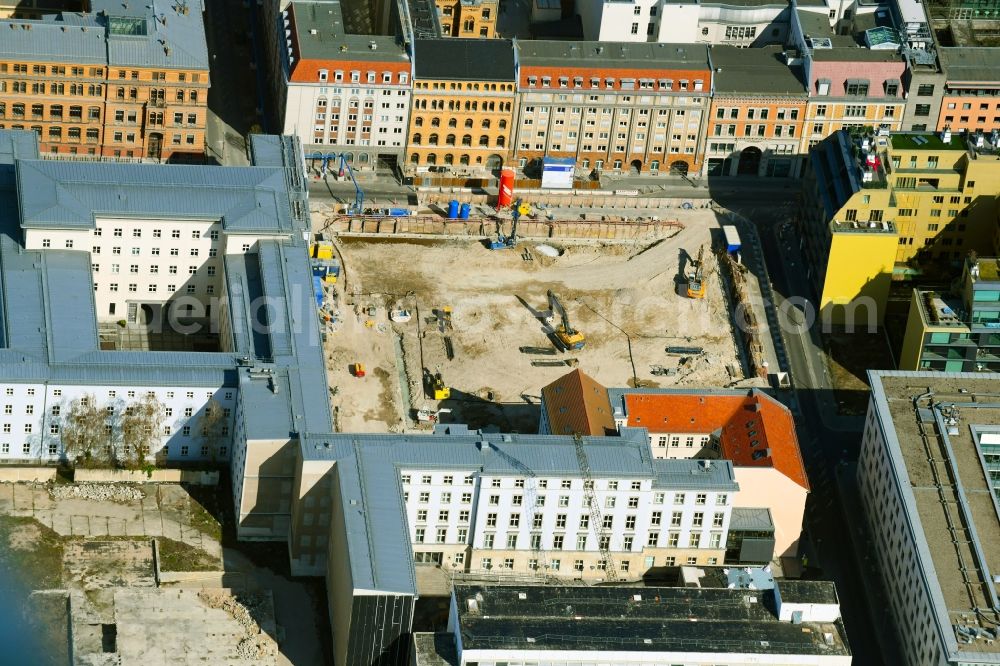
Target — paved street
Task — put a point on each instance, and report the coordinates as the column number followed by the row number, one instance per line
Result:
column 826, row 439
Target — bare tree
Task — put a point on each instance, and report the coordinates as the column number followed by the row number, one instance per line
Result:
column 212, row 424
column 141, row 425
column 83, row 432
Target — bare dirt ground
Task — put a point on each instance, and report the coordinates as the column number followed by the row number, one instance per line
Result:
column 498, row 303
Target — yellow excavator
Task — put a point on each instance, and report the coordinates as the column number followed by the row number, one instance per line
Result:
column 568, row 338
column 696, row 276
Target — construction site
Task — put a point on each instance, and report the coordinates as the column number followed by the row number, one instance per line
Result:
column 466, row 320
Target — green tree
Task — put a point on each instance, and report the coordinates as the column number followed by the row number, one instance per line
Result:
column 83, row 431
column 141, row 425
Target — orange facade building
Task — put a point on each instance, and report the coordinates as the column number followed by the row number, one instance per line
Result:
column 757, row 115
column 971, row 96
column 462, row 105
column 105, row 85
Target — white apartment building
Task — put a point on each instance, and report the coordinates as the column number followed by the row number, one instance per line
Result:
column 529, row 524
column 370, row 508
column 110, row 256
column 928, row 485
column 342, row 93
column 740, row 23
column 613, row 106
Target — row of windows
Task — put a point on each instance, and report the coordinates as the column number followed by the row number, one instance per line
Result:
column 449, row 140
column 134, row 251
column 611, row 83
column 112, row 394
column 355, row 76
column 154, row 269
column 196, row 234
column 53, row 70
column 153, row 288
column 77, row 89
column 485, row 123
column 55, row 112
column 558, row 542
column 458, row 85
column 486, row 563
column 455, row 105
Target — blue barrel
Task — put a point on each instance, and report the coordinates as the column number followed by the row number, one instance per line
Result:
column 464, row 213
column 453, row 209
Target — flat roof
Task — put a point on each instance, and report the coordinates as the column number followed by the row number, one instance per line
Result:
column 970, row 64
column 758, row 71
column 324, row 31
column 464, row 59
column 624, row 55
column 932, row 422
column 633, row 619
column 926, row 141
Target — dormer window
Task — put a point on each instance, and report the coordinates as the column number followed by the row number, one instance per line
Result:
column 338, row 75
column 532, row 81
column 323, row 75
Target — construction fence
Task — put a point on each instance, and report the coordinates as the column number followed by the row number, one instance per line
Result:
column 432, row 225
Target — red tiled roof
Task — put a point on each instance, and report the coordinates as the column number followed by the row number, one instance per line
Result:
column 755, row 429
column 577, row 404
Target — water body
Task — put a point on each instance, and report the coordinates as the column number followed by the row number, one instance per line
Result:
column 33, row 628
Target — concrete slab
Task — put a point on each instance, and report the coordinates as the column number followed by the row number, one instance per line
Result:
column 7, row 497
column 79, row 525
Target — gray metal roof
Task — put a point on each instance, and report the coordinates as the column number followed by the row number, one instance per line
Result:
column 333, row 40
column 367, row 470
column 163, row 34
column 57, row 194
column 760, row 71
column 47, row 319
column 970, row 64
column 626, row 55
column 53, row 40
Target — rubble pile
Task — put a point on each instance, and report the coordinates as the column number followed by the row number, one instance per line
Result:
column 102, row 492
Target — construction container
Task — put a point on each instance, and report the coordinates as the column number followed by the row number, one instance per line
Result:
column 318, row 289
column 463, row 213
column 328, row 272
column 321, row 250
column 733, row 243
column 453, row 209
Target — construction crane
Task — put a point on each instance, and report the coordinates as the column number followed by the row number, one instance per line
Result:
column 359, row 195
column 696, row 276
column 596, row 519
column 567, row 337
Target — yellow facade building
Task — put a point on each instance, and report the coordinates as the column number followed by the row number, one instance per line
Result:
column 893, row 207
column 468, row 18
column 463, row 106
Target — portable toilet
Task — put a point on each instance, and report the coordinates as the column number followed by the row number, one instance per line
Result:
column 453, row 209
column 464, row 212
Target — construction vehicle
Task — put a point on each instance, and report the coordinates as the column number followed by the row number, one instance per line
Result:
column 438, row 389
column 503, row 242
column 359, row 195
column 696, row 276
column 567, row 337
